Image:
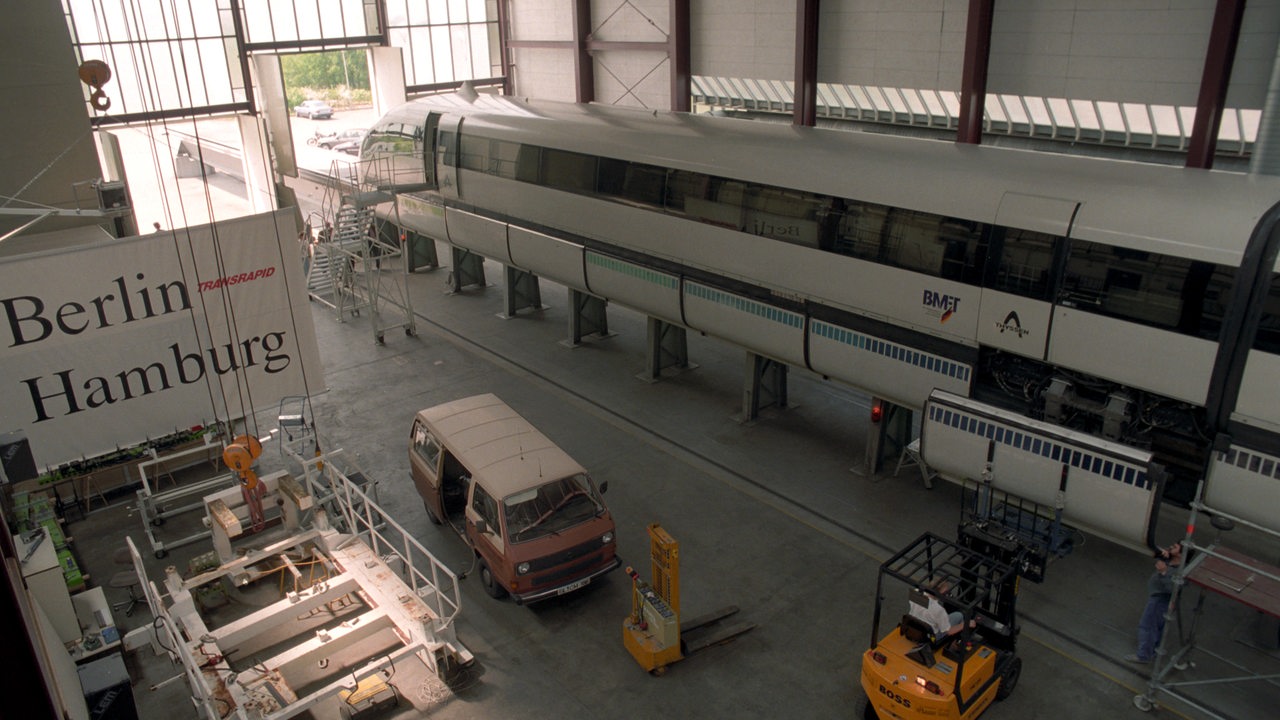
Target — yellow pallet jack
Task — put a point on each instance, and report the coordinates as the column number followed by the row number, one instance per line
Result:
column 653, row 632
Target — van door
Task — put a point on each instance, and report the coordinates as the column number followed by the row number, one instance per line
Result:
column 424, row 466
column 446, row 154
column 488, row 544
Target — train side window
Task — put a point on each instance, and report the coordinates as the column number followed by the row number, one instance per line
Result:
column 861, row 231
column 504, row 158
column 787, row 215
column 473, row 153
column 528, row 161
column 635, row 182
column 1161, row 291
column 1025, row 265
column 932, row 244
column 1267, row 339
column 448, row 149
column 569, row 171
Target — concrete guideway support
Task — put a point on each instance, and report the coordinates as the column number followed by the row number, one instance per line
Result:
column 468, row 270
column 889, row 434
column 765, row 385
column 588, row 315
column 668, row 348
column 420, row 251
column 521, row 290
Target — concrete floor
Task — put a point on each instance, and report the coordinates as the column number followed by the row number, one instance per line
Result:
column 771, row 516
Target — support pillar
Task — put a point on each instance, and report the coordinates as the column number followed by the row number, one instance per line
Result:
column 420, row 251
column 468, row 270
column 888, row 435
column 766, row 384
column 522, row 291
column 588, row 315
column 668, row 348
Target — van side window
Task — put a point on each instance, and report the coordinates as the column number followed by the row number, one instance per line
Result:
column 426, row 445
column 484, row 504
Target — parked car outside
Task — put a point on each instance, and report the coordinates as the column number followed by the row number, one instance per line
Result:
column 342, row 137
column 314, row 109
column 350, row 146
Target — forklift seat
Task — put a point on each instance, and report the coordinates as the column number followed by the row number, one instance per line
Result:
column 916, row 630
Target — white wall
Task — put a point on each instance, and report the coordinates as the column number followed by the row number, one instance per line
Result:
column 1144, row 51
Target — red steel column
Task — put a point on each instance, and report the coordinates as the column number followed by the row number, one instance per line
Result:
column 504, row 50
column 973, row 81
column 806, row 86
column 678, row 56
column 584, row 69
column 1219, row 57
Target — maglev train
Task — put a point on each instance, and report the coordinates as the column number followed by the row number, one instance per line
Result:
column 1070, row 325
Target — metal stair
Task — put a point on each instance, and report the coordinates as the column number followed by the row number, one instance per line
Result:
column 358, row 262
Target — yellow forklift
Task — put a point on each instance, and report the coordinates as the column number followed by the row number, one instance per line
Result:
column 914, row 671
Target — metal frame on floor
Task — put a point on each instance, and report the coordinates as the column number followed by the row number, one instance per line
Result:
column 390, row 589
column 1213, row 568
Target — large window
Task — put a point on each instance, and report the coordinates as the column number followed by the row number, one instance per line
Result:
column 1166, row 292
column 185, row 58
column 445, row 40
column 163, row 56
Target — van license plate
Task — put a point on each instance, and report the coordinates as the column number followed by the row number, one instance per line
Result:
column 573, row 586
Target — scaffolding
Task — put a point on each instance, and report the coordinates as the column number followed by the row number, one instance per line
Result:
column 1214, row 570
column 357, row 261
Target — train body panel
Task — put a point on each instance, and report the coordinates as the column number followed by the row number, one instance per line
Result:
column 423, row 216
column 1245, row 483
column 1100, row 485
column 550, row 257
column 478, row 234
column 908, row 264
column 1105, row 347
column 1258, row 403
column 636, row 286
column 886, row 369
column 767, row 330
column 1014, row 323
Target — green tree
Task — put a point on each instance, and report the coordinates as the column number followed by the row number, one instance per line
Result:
column 330, row 69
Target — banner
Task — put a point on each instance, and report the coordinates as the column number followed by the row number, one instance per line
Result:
column 112, row 344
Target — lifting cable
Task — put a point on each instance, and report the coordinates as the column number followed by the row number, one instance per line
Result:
column 148, row 87
column 243, row 387
column 149, row 91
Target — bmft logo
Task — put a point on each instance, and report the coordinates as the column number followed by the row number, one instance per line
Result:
column 940, row 306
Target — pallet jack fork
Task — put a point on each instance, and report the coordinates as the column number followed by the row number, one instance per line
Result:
column 653, row 632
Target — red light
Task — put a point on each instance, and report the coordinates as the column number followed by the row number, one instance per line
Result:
column 928, row 685
column 877, row 411
column 878, row 657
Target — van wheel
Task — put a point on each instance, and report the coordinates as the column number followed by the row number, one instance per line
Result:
column 868, row 712
column 1009, row 678
column 490, row 583
column 431, row 514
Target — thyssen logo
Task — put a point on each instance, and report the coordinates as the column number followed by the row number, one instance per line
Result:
column 1013, row 324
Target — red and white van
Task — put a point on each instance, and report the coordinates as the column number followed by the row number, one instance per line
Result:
column 534, row 517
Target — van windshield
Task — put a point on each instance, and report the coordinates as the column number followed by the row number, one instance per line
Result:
column 551, row 507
